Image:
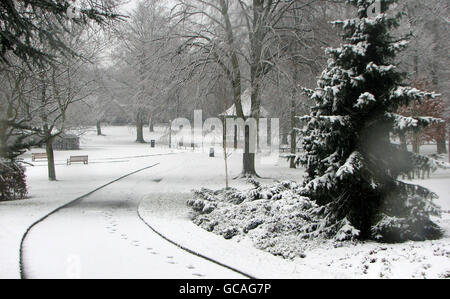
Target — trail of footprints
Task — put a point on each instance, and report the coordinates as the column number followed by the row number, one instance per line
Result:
column 112, row 229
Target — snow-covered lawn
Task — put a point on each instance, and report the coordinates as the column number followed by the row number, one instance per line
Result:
column 104, row 234
column 167, row 213
column 109, row 159
column 102, row 237
column 429, row 259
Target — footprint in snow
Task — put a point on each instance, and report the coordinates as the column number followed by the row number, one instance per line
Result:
column 198, row 275
column 190, row 267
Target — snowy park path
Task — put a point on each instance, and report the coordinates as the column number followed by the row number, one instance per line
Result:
column 102, row 236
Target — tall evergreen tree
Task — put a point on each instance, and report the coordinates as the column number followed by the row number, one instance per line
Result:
column 25, row 24
column 352, row 166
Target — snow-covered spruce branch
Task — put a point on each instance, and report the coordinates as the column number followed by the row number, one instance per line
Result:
column 402, row 95
column 403, row 123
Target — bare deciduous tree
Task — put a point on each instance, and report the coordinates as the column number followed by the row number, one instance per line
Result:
column 244, row 40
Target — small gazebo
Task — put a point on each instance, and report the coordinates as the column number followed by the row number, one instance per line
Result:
column 65, row 142
column 246, row 109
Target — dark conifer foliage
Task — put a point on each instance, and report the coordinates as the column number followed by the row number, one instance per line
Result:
column 31, row 29
column 352, row 166
column 12, row 181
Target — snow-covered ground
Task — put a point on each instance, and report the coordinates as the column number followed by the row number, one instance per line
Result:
column 167, row 213
column 110, row 158
column 103, row 236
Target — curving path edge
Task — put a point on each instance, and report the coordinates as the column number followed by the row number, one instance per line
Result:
column 192, row 251
column 21, row 263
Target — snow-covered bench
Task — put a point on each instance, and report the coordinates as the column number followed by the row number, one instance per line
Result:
column 38, row 156
column 286, row 148
column 74, row 159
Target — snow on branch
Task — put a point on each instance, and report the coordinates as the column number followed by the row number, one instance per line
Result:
column 362, row 24
column 347, row 231
column 356, row 81
column 342, row 120
column 404, row 123
column 308, row 92
column 365, row 100
column 399, row 46
column 352, row 165
column 359, row 49
column 381, row 69
column 323, row 182
column 403, row 95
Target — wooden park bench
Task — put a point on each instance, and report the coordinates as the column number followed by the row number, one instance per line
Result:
column 74, row 159
column 38, row 156
column 285, row 149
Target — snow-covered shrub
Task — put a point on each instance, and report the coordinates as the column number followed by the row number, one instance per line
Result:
column 411, row 223
column 275, row 217
column 12, row 181
column 204, row 201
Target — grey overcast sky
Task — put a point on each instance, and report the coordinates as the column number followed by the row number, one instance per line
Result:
column 131, row 4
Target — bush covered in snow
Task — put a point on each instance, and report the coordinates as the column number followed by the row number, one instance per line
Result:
column 278, row 219
column 275, row 217
column 12, row 181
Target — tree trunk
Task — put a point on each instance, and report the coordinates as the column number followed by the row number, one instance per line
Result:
column 293, row 123
column 403, row 144
column 249, row 165
column 416, row 144
column 140, row 127
column 99, row 128
column 284, row 138
column 235, row 138
column 51, row 159
column 441, row 146
column 416, row 147
column 225, row 155
column 3, row 138
column 140, row 132
column 170, row 133
column 151, row 126
column 293, row 135
column 248, row 158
